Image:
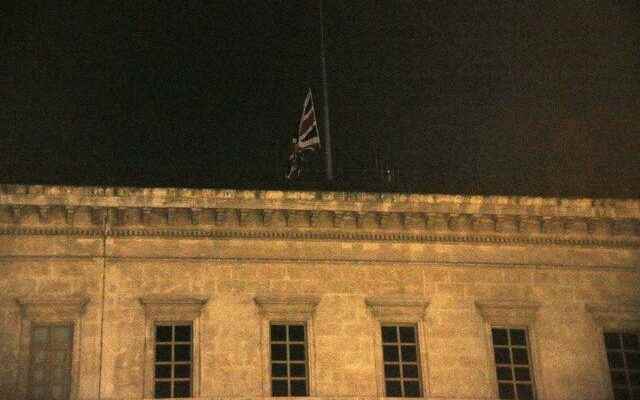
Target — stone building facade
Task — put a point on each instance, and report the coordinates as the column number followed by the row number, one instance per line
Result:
column 105, row 291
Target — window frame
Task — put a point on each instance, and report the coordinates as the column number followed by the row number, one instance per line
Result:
column 612, row 317
column 50, row 312
column 287, row 310
column 70, row 349
column 534, row 382
column 177, row 311
column 399, row 311
column 173, row 324
column 418, row 361
column 512, row 315
column 621, row 350
column 306, row 350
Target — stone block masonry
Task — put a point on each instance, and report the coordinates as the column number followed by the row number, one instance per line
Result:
column 452, row 266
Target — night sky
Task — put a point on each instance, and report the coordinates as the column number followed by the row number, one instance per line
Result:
column 483, row 97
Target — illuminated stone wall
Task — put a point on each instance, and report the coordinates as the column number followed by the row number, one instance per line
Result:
column 564, row 268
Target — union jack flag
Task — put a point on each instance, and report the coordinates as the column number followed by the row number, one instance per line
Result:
column 307, row 140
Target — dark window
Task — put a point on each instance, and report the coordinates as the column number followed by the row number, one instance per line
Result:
column 289, row 367
column 513, row 363
column 401, row 361
column 173, row 355
column 623, row 355
column 50, row 366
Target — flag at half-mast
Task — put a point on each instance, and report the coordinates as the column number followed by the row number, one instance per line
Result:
column 308, row 138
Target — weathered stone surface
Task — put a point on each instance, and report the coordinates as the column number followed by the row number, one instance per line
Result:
column 346, row 260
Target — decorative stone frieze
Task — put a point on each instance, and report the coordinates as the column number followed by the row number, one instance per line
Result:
column 460, row 223
column 98, row 215
column 624, row 227
column 483, row 223
column 251, row 218
column 43, row 214
column 54, row 210
column 437, row 222
column 171, row 216
column 228, row 218
column 369, row 221
column 552, row 225
column 599, row 227
column 145, row 215
column 275, row 218
column 70, row 213
column 346, row 220
column 16, row 214
column 122, row 216
column 322, row 219
column 298, row 219
column 196, row 214
column 506, row 224
column 391, row 221
column 530, row 224
column 414, row 221
column 576, row 226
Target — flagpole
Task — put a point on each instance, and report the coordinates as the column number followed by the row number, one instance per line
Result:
column 325, row 92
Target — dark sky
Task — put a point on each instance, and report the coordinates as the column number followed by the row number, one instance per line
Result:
column 489, row 97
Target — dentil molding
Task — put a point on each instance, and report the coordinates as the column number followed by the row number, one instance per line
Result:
column 221, row 213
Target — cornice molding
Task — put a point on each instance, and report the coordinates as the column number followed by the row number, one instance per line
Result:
column 625, row 316
column 409, row 237
column 109, row 197
column 508, row 312
column 220, row 213
column 59, row 309
column 287, row 308
column 173, row 308
column 397, row 309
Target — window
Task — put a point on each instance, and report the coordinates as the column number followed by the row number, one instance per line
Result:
column 172, row 377
column 50, row 364
column 288, row 359
column 623, row 356
column 171, row 346
column 287, row 344
column 510, row 326
column 401, row 361
column 620, row 326
column 513, row 369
